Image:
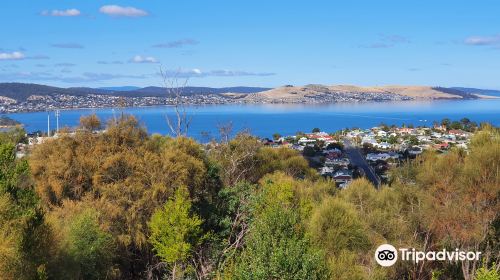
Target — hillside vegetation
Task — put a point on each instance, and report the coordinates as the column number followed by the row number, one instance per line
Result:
column 125, row 205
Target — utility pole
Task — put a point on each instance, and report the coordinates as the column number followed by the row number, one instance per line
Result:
column 58, row 113
column 48, row 123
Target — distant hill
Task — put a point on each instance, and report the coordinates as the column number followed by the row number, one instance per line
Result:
column 490, row 92
column 123, row 88
column 21, row 91
column 159, row 91
column 8, row 122
column 291, row 93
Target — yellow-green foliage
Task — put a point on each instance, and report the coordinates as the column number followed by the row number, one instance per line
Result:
column 174, row 229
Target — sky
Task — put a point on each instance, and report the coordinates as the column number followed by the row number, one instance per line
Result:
column 265, row 43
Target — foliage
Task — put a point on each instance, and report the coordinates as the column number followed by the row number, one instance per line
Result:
column 174, row 230
column 120, row 204
column 277, row 247
column 90, row 249
column 485, row 273
column 24, row 236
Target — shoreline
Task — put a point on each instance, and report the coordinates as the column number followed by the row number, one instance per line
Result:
column 480, row 97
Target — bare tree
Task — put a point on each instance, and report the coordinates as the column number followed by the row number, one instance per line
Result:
column 179, row 124
column 225, row 130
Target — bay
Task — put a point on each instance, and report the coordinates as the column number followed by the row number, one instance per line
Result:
column 265, row 119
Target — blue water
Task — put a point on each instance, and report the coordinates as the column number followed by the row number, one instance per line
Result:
column 264, row 120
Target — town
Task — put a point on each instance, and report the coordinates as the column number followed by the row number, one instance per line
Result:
column 352, row 153
column 37, row 103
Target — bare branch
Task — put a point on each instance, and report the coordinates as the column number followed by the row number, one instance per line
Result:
column 180, row 124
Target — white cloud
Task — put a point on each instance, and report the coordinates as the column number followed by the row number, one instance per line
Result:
column 213, row 73
column 483, row 40
column 62, row 13
column 176, row 44
column 143, row 59
column 68, row 46
column 119, row 11
column 49, row 76
column 12, row 56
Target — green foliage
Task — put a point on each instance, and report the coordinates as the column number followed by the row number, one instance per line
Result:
column 283, row 159
column 485, row 273
column 122, row 204
column 13, row 136
column 335, row 226
column 277, row 247
column 175, row 231
column 90, row 249
column 24, row 236
column 309, row 151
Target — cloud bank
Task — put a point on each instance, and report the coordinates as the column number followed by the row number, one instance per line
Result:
column 176, row 44
column 12, row 56
column 143, row 59
column 67, row 46
column 61, row 13
column 483, row 40
column 119, row 11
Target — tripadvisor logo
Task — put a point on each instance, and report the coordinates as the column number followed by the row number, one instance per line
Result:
column 387, row 255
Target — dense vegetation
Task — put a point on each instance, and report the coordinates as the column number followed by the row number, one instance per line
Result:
column 125, row 205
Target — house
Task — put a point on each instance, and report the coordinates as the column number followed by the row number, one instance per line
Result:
column 406, row 130
column 383, row 145
column 416, row 150
column 442, row 146
column 459, row 133
column 304, row 141
column 326, row 171
column 423, row 139
column 382, row 133
column 343, row 162
column 343, row 176
column 375, row 157
column 369, row 140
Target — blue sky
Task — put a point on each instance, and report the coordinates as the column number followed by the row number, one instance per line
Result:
column 253, row 43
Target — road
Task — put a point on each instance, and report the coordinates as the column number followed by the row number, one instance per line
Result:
column 359, row 160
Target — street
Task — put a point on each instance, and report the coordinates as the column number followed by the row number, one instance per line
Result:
column 357, row 159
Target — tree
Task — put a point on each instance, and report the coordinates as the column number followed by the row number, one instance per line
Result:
column 25, row 238
column 456, row 125
column 175, row 231
column 237, row 159
column 90, row 123
column 90, row 248
column 335, row 226
column 277, row 247
column 316, row 130
column 179, row 125
column 485, row 273
column 309, row 151
column 276, row 136
column 446, row 122
column 413, row 140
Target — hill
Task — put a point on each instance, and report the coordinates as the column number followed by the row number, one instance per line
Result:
column 489, row 92
column 306, row 93
column 21, row 91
